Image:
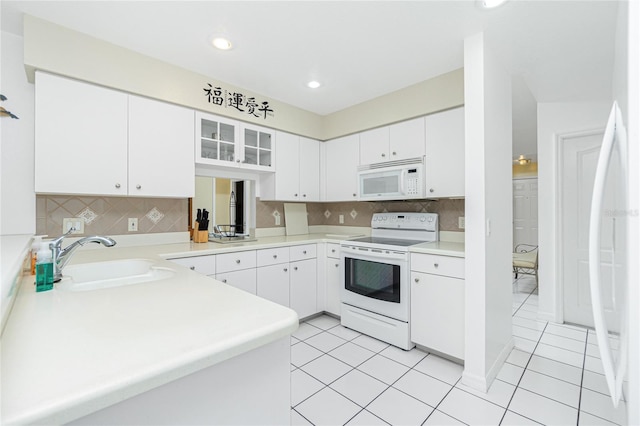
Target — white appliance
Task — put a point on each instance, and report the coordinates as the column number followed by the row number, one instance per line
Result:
column 607, row 250
column 375, row 291
column 392, row 180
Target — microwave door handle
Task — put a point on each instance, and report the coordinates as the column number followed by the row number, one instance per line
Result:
column 403, row 176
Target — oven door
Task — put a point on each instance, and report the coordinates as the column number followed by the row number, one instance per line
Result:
column 376, row 280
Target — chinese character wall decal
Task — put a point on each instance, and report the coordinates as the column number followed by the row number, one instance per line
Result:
column 240, row 102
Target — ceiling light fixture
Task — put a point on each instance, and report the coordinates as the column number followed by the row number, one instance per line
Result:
column 313, row 84
column 490, row 4
column 221, row 43
column 522, row 160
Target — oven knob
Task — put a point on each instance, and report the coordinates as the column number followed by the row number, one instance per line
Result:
column 422, row 218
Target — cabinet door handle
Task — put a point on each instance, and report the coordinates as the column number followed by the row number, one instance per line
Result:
column 295, row 268
column 238, row 261
column 435, row 265
column 224, row 280
column 304, row 195
column 394, row 153
column 416, row 279
column 333, row 250
column 337, row 264
column 384, row 155
column 285, row 269
column 138, row 186
column 193, row 268
column 295, row 195
column 304, row 252
column 431, row 190
column 238, row 160
column 275, row 256
column 354, row 195
column 117, row 185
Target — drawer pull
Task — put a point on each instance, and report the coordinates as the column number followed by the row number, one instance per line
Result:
column 285, row 269
column 333, row 250
column 304, row 252
column 117, row 186
column 275, row 256
column 238, row 261
column 138, row 187
column 435, row 265
column 337, row 264
column 224, row 280
column 416, row 280
column 295, row 268
column 193, row 268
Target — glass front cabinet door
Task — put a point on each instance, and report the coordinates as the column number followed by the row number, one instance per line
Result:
column 217, row 140
column 258, row 147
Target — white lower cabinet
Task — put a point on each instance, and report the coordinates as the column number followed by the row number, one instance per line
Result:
column 244, row 279
column 333, row 280
column 302, row 287
column 273, row 275
column 437, row 303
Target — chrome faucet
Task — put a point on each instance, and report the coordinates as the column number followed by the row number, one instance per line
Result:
column 62, row 255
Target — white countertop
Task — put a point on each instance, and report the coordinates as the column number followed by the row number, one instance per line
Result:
column 442, row 248
column 68, row 354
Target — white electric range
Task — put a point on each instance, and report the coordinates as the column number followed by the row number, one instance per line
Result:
column 375, row 290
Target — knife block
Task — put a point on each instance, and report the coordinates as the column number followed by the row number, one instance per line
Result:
column 200, row 236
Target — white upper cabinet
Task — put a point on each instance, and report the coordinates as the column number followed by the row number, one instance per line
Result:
column 160, row 140
column 258, row 145
column 80, row 138
column 96, row 141
column 297, row 176
column 398, row 141
column 445, row 154
column 229, row 143
column 341, row 157
column 217, row 140
column 406, row 139
column 374, row 145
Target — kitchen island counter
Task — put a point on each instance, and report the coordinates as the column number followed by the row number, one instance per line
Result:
column 67, row 354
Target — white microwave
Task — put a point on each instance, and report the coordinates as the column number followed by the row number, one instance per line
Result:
column 393, row 180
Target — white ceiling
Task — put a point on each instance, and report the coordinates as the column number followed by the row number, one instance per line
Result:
column 560, row 50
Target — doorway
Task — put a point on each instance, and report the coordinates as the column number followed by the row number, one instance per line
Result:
column 577, row 160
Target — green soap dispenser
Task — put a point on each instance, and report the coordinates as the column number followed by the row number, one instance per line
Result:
column 44, row 268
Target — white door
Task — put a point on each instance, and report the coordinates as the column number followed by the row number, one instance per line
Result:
column 309, row 169
column 525, row 212
column 273, row 283
column 287, row 167
column 579, row 157
column 302, row 292
column 341, row 168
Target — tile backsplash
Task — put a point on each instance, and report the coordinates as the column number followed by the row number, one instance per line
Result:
column 109, row 215
column 360, row 213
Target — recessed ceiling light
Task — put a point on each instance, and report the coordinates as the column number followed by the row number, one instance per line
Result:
column 221, row 43
column 313, row 84
column 489, row 4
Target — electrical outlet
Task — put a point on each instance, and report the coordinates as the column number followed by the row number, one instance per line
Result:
column 132, row 224
column 341, row 218
column 73, row 222
column 461, row 222
column 277, row 217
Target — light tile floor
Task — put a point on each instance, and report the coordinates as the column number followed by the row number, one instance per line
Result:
column 553, row 376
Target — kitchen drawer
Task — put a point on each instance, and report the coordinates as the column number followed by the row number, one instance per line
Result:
column 235, row 261
column 205, row 265
column 307, row 251
column 333, row 250
column 447, row 266
column 272, row 256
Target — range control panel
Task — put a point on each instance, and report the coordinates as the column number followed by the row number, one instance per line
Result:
column 418, row 221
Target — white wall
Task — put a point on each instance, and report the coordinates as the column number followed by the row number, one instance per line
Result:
column 488, row 235
column 18, row 203
column 555, row 119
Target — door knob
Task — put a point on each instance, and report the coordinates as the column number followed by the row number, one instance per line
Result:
column 238, row 261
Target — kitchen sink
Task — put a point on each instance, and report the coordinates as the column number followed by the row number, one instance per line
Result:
column 113, row 273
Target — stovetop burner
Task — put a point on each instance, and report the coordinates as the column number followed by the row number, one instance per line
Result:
column 386, row 241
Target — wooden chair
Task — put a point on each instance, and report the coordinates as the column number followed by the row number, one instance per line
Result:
column 525, row 260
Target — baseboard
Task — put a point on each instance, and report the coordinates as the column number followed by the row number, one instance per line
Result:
column 482, row 383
